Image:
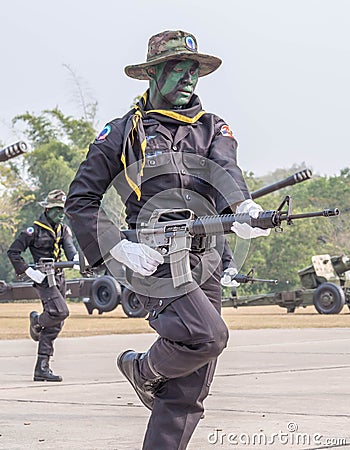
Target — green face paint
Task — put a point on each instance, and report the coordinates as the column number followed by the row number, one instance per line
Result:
column 56, row 215
column 173, row 83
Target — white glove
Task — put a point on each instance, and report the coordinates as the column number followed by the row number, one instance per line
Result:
column 227, row 277
column 244, row 230
column 76, row 258
column 35, row 275
column 250, row 207
column 138, row 257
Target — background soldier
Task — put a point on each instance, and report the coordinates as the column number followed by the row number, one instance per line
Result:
column 166, row 153
column 46, row 239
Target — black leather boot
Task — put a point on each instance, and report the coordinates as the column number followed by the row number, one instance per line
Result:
column 42, row 371
column 128, row 364
column 35, row 327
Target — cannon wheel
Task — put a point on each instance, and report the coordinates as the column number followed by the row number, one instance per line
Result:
column 131, row 304
column 105, row 294
column 329, row 298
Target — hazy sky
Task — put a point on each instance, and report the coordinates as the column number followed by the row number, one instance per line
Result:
column 283, row 86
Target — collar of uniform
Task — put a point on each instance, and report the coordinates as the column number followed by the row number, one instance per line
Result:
column 164, row 130
column 181, row 133
column 43, row 220
column 149, row 121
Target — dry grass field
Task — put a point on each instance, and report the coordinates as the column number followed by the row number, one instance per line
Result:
column 14, row 320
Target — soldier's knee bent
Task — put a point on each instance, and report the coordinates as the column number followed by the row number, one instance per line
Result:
column 61, row 316
column 65, row 314
column 220, row 342
column 214, row 345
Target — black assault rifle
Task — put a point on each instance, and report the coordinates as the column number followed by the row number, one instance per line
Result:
column 249, row 278
column 49, row 267
column 174, row 238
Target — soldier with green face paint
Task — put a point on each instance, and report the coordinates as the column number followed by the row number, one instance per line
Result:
column 172, row 83
column 56, row 214
column 46, row 238
column 166, row 153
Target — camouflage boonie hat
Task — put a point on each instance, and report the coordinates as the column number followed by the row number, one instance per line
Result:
column 54, row 199
column 173, row 45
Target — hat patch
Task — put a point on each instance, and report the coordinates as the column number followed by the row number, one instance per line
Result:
column 30, row 230
column 225, row 131
column 104, row 133
column 190, row 43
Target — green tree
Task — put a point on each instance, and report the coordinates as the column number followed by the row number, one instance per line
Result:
column 14, row 196
column 59, row 145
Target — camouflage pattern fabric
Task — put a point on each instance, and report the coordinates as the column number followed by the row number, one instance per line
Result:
column 170, row 45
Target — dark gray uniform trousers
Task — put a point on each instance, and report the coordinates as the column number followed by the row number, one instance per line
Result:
column 55, row 311
column 192, row 335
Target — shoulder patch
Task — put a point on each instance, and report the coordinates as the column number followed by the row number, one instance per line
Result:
column 103, row 134
column 30, row 230
column 225, row 131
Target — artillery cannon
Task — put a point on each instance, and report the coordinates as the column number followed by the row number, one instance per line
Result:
column 325, row 284
column 329, row 276
column 297, row 177
column 13, row 150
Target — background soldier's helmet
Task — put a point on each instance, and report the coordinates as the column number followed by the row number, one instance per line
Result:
column 55, row 198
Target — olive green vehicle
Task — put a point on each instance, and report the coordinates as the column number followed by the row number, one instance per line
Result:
column 324, row 284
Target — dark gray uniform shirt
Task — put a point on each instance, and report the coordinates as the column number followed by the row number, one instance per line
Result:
column 187, row 166
column 40, row 242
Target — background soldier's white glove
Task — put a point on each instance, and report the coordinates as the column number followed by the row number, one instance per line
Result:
column 244, row 230
column 76, row 258
column 227, row 277
column 138, row 257
column 35, row 275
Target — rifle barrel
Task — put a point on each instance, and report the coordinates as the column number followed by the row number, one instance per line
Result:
column 324, row 213
column 266, row 219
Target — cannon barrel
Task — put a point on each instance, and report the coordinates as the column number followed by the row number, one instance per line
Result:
column 11, row 151
column 298, row 177
column 341, row 264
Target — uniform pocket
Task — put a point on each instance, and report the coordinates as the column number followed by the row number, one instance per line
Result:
column 53, row 302
column 197, row 167
column 194, row 161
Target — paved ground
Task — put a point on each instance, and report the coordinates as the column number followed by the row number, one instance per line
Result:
column 273, row 389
